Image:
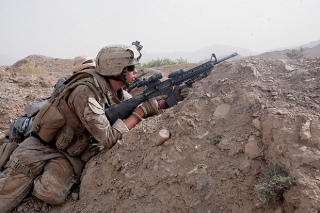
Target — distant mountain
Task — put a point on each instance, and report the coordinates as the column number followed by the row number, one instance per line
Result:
column 308, row 45
column 312, row 52
column 282, row 54
column 311, row 49
column 198, row 55
column 311, row 44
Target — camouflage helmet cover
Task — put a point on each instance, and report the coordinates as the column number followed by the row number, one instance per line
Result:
column 81, row 62
column 112, row 59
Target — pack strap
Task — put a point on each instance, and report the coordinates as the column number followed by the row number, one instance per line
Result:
column 20, row 168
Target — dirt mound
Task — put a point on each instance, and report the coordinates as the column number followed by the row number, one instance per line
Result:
column 50, row 65
column 19, row 88
column 246, row 114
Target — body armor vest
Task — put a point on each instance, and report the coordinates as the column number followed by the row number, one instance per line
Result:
column 57, row 123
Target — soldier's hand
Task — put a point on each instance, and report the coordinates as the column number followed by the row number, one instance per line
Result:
column 17, row 140
column 181, row 92
column 91, row 151
column 150, row 107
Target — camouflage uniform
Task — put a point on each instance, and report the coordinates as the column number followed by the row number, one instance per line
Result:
column 51, row 172
column 42, row 163
column 21, row 128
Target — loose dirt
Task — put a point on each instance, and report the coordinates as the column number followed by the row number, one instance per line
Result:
column 247, row 114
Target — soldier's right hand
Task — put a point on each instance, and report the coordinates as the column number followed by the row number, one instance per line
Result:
column 91, row 151
column 150, row 107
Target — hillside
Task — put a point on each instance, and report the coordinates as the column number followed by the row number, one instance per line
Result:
column 295, row 53
column 247, row 114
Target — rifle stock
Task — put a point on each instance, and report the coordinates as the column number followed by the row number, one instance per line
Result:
column 156, row 88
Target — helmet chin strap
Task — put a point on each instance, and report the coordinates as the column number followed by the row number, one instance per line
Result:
column 121, row 78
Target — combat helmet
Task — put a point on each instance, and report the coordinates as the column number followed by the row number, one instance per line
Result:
column 81, row 62
column 111, row 60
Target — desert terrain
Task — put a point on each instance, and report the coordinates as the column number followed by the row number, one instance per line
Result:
column 249, row 113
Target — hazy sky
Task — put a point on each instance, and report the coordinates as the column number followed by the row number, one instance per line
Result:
column 66, row 28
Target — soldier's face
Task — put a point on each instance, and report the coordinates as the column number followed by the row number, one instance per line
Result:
column 130, row 76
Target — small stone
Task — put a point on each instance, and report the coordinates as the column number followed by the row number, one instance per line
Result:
column 162, row 136
column 75, row 196
column 256, row 123
column 289, row 68
column 222, row 110
column 251, row 148
column 274, row 93
column 305, row 133
column 245, row 166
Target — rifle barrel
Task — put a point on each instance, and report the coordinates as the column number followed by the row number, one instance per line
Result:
column 227, row 57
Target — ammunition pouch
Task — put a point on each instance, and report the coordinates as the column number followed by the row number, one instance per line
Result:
column 47, row 122
column 64, row 137
column 57, row 122
column 78, row 145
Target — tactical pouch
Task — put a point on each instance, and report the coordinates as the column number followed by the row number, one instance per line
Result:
column 64, row 137
column 5, row 151
column 73, row 126
column 47, row 122
column 78, row 145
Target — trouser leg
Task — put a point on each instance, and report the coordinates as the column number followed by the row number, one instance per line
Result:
column 14, row 183
column 56, row 181
column 14, row 186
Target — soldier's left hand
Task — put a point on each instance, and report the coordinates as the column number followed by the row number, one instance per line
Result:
column 150, row 107
column 181, row 92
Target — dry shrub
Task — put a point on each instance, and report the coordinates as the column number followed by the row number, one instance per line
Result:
column 31, row 68
column 274, row 182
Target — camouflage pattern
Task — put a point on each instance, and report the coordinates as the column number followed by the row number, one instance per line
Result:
column 6, row 150
column 82, row 62
column 53, row 171
column 111, row 60
column 53, row 178
column 92, row 116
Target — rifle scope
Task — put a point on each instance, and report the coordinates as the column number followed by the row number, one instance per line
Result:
column 175, row 73
column 144, row 82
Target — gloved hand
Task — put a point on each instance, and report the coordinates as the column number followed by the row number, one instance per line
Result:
column 178, row 94
column 91, row 151
column 181, row 92
column 150, row 107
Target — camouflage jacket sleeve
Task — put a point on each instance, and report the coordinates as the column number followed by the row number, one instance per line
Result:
column 82, row 101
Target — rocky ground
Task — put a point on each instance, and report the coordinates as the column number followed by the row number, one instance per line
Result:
column 249, row 113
